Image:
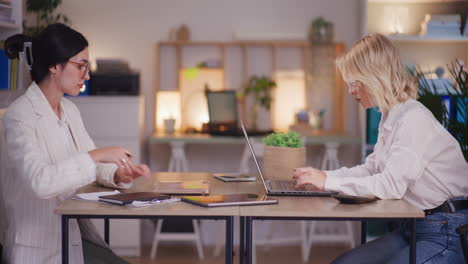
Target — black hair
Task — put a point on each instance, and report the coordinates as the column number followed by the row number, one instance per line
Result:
column 56, row 44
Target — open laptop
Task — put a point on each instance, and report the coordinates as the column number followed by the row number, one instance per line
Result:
column 281, row 187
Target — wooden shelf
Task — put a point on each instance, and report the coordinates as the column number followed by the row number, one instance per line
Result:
column 8, row 25
column 422, row 39
column 253, row 43
column 273, row 46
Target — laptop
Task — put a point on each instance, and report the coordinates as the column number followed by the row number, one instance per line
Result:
column 281, row 187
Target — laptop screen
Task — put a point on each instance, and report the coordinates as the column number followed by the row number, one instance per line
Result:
column 254, row 157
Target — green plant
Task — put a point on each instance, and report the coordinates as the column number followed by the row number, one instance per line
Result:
column 43, row 10
column 458, row 93
column 260, row 88
column 280, row 139
column 459, row 126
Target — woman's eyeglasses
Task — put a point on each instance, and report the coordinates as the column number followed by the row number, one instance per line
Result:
column 82, row 66
column 354, row 84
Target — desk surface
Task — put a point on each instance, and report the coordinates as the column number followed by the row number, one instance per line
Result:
column 313, row 207
column 319, row 138
column 79, row 207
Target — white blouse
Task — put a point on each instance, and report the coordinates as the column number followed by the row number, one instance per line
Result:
column 415, row 159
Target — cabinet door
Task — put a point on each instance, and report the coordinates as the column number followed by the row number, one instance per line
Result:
column 115, row 121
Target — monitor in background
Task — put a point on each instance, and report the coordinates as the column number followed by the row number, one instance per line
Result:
column 222, row 112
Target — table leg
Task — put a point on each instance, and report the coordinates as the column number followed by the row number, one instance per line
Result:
column 106, row 230
column 363, row 232
column 248, row 239
column 242, row 241
column 412, row 255
column 229, row 239
column 64, row 239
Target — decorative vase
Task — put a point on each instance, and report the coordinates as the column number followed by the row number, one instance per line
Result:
column 279, row 162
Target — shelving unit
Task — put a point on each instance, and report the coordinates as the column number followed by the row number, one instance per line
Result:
column 271, row 49
column 427, row 52
column 8, row 29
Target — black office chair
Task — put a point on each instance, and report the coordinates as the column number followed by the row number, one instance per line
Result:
column 463, row 231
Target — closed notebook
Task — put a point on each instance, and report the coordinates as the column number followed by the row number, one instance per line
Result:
column 229, row 200
column 127, row 198
column 183, row 187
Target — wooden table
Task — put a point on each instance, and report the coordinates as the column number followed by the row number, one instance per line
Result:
column 87, row 209
column 323, row 208
column 288, row 208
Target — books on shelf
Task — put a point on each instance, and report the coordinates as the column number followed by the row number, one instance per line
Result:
column 8, row 71
column 447, row 25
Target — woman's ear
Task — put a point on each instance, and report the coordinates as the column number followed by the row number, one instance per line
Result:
column 53, row 69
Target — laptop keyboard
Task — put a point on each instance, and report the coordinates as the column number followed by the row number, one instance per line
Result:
column 279, row 185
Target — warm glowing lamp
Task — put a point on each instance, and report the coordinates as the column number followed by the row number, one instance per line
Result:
column 395, row 18
column 167, row 107
column 289, row 98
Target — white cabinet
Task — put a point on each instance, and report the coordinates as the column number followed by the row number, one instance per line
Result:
column 11, row 19
column 116, row 121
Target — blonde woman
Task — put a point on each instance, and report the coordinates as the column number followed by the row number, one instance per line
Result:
column 415, row 159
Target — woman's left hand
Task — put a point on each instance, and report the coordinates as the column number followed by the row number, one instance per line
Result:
column 309, row 175
column 126, row 175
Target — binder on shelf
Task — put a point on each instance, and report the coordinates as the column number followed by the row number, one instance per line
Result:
column 4, row 69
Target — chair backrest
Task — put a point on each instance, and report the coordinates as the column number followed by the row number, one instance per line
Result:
column 463, row 231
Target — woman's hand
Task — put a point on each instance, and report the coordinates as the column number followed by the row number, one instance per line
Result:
column 126, row 176
column 309, row 175
column 118, row 155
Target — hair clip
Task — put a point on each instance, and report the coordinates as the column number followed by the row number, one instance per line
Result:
column 27, row 54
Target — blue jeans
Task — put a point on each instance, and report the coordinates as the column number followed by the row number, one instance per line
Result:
column 436, row 242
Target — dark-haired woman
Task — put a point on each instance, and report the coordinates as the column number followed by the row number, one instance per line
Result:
column 47, row 154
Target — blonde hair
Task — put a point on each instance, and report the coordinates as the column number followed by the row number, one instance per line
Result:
column 375, row 62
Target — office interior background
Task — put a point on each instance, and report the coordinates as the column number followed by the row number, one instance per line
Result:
column 174, row 48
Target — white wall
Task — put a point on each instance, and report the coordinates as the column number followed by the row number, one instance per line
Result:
column 130, row 29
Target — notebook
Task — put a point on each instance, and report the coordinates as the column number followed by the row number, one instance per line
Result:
column 127, row 198
column 229, row 200
column 281, row 187
column 183, row 187
column 234, row 177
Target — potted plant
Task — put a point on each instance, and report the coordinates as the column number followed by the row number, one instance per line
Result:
column 457, row 124
column 283, row 153
column 44, row 15
column 260, row 88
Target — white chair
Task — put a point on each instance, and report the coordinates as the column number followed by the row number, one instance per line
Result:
column 177, row 163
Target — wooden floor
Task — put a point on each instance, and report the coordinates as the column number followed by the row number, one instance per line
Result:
column 175, row 254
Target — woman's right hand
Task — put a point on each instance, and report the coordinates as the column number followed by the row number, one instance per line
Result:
column 118, row 155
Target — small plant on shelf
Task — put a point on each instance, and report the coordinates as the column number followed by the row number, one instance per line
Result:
column 261, row 88
column 43, row 10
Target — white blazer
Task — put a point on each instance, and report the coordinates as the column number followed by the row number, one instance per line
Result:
column 37, row 174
